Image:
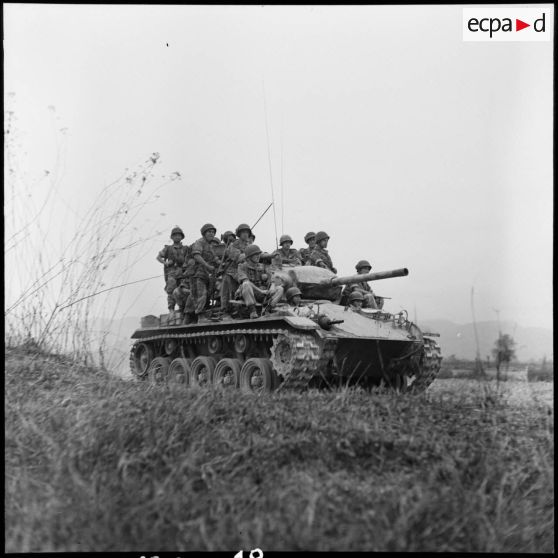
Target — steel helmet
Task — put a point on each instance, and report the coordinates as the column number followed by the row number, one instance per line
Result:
column 252, row 250
column 308, row 236
column 293, row 291
column 207, row 227
column 243, row 227
column 226, row 235
column 285, row 238
column 177, row 230
column 321, row 236
column 363, row 263
column 356, row 295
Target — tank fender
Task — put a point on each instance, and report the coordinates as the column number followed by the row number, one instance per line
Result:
column 300, row 322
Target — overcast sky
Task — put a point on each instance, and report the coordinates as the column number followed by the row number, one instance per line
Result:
column 410, row 147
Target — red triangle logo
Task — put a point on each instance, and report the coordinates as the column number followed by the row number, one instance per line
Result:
column 519, row 25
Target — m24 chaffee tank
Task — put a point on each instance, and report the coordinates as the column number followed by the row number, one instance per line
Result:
column 318, row 343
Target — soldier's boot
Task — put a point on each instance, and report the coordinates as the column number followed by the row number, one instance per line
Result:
column 253, row 313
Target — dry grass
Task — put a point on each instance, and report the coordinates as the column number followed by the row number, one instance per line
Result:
column 96, row 463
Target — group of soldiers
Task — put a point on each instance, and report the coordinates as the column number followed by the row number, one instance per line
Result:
column 229, row 268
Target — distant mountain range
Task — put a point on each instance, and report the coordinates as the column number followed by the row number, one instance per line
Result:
column 455, row 339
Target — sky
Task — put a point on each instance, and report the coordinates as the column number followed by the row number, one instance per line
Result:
column 378, row 124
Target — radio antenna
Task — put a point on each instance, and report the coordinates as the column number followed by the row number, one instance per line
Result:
column 269, row 163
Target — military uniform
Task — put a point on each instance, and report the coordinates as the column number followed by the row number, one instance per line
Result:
column 290, row 257
column 230, row 282
column 200, row 282
column 181, row 294
column 257, row 278
column 179, row 255
column 305, row 255
column 364, row 288
column 321, row 255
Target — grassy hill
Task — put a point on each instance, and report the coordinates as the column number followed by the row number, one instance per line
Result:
column 97, row 463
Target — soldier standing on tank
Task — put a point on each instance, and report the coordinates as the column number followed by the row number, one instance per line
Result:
column 205, row 263
column 369, row 299
column 310, row 239
column 286, row 254
column 252, row 278
column 174, row 257
column 234, row 254
column 319, row 255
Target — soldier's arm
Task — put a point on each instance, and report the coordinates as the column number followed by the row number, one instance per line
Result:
column 296, row 258
column 162, row 255
column 242, row 273
column 197, row 255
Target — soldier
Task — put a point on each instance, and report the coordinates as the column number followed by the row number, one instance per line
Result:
column 174, row 257
column 369, row 299
column 355, row 301
column 293, row 296
column 310, row 239
column 286, row 254
column 252, row 279
column 181, row 294
column 319, row 255
column 251, row 238
column 234, row 254
column 205, row 263
column 228, row 236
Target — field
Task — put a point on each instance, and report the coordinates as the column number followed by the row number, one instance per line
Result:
column 98, row 463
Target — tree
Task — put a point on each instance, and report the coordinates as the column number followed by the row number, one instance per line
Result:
column 504, row 350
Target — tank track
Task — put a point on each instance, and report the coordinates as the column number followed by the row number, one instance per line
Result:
column 429, row 366
column 307, row 359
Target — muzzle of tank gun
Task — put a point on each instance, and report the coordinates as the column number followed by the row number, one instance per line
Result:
column 325, row 323
column 365, row 277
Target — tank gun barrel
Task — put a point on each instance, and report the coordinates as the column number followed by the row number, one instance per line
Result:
column 365, row 277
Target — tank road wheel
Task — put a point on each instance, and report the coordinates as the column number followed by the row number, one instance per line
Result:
column 170, row 346
column 215, row 345
column 141, row 356
column 201, row 372
column 241, row 343
column 179, row 371
column 227, row 373
column 159, row 369
column 257, row 375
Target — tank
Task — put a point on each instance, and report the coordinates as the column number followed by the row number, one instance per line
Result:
column 319, row 344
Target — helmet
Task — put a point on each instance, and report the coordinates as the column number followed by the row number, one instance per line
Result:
column 215, row 240
column 363, row 263
column 177, row 230
column 308, row 236
column 226, row 235
column 252, row 250
column 243, row 227
column 293, row 291
column 321, row 236
column 207, row 227
column 285, row 238
column 355, row 296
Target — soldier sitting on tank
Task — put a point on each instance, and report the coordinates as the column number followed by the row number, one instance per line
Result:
column 319, row 255
column 251, row 238
column 228, row 236
column 355, row 301
column 206, row 261
column 173, row 257
column 286, row 254
column 234, row 254
column 310, row 239
column 253, row 279
column 369, row 299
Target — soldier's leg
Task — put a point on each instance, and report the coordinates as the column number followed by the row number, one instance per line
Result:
column 171, row 285
column 181, row 296
column 228, row 290
column 369, row 301
column 202, row 286
column 247, row 292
